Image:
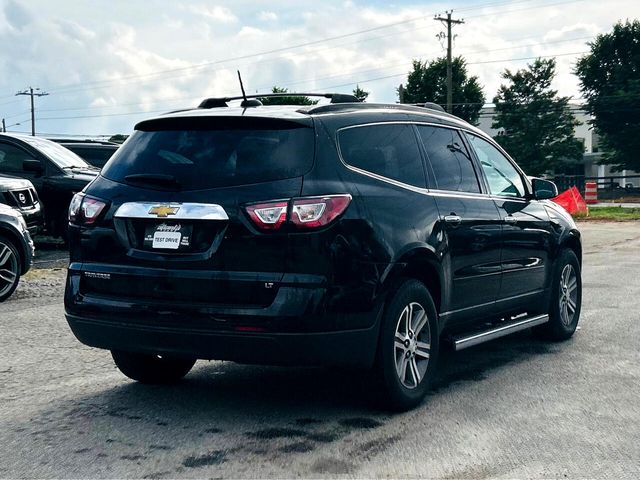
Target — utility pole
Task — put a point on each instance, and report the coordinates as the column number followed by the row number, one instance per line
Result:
column 449, row 21
column 37, row 93
column 4, row 126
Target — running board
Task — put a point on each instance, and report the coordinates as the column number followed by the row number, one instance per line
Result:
column 466, row 341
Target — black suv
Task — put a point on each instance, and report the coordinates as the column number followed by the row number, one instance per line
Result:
column 343, row 234
column 94, row 152
column 20, row 194
column 56, row 173
column 16, row 250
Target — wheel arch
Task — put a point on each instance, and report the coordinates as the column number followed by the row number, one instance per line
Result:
column 420, row 263
column 572, row 241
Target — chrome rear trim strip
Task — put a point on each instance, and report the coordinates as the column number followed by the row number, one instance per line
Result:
column 170, row 211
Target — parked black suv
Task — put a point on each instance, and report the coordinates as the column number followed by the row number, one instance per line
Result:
column 20, row 194
column 94, row 152
column 56, row 173
column 16, row 250
column 348, row 234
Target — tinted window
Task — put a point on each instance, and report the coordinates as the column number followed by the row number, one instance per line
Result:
column 388, row 150
column 202, row 156
column 95, row 156
column 502, row 176
column 11, row 158
column 450, row 161
column 62, row 157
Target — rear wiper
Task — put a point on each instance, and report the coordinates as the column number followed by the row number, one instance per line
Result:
column 153, row 179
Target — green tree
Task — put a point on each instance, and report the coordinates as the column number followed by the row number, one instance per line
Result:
column 537, row 125
column 427, row 82
column 610, row 82
column 286, row 100
column 360, row 94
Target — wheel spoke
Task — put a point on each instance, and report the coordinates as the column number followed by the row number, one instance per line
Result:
column 414, row 371
column 7, row 275
column 571, row 304
column 400, row 346
column 423, row 349
column 573, row 284
column 405, row 319
column 403, row 369
column 5, row 254
column 420, row 322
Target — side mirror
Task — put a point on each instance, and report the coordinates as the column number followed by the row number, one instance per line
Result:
column 32, row 166
column 543, row 189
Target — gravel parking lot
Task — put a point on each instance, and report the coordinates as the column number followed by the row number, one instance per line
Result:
column 516, row 407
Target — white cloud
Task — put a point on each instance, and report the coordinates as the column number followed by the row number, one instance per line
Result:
column 109, row 63
column 268, row 16
column 216, row 13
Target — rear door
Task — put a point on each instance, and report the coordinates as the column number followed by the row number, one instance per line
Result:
column 469, row 220
column 526, row 234
column 179, row 190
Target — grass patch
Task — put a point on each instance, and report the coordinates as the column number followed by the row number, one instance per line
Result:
column 614, row 214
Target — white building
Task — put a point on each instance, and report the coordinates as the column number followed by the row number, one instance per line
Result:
column 584, row 132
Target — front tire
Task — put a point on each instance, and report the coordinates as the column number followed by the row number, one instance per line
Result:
column 152, row 369
column 408, row 346
column 9, row 268
column 566, row 299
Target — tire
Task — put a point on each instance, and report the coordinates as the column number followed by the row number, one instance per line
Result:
column 62, row 228
column 152, row 369
column 566, row 299
column 10, row 268
column 402, row 353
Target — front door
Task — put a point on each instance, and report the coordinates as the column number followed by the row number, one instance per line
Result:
column 527, row 234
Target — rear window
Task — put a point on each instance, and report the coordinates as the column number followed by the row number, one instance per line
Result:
column 220, row 153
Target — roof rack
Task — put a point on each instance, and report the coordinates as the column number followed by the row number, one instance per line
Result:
column 217, row 102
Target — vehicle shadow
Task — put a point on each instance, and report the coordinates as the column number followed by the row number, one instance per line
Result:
column 231, row 411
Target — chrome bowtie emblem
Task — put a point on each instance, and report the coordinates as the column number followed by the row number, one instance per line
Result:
column 163, row 210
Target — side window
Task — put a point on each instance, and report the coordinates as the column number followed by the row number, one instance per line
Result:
column 451, row 163
column 11, row 158
column 502, row 177
column 387, row 150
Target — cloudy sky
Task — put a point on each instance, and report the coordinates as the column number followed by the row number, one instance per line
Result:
column 108, row 64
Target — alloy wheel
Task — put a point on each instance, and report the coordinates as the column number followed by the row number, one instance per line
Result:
column 9, row 268
column 568, row 294
column 412, row 345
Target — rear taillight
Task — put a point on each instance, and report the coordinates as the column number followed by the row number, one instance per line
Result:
column 268, row 216
column 84, row 210
column 303, row 213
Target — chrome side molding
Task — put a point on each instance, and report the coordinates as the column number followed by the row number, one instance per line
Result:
column 171, row 210
column 466, row 341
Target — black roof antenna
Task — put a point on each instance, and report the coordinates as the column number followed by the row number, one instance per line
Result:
column 254, row 102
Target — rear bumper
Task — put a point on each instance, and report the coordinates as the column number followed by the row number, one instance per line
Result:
column 353, row 348
column 302, row 325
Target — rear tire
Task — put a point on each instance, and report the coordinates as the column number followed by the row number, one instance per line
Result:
column 10, row 268
column 408, row 346
column 152, row 369
column 566, row 299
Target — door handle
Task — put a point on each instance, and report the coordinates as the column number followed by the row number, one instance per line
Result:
column 510, row 219
column 453, row 219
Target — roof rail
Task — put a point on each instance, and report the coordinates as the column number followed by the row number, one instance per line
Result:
column 217, row 102
column 418, row 107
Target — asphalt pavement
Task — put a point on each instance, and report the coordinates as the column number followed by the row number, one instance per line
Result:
column 513, row 408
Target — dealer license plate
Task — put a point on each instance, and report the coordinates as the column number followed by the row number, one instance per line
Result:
column 168, row 237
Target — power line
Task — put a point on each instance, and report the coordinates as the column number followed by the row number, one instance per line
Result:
column 104, row 83
column 449, row 22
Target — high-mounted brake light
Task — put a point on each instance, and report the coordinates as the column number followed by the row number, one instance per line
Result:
column 84, row 210
column 305, row 212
